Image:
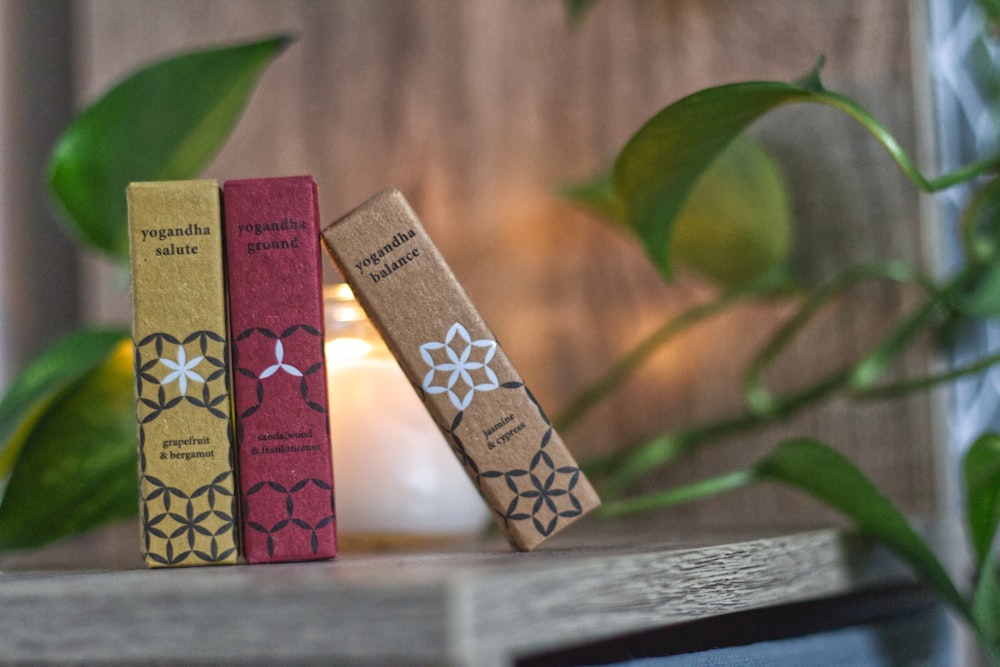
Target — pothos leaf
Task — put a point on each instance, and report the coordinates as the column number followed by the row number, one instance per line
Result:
column 992, row 9
column 77, row 467
column 659, row 166
column 32, row 391
column 982, row 300
column 597, row 196
column 986, row 604
column 829, row 477
column 982, row 488
column 734, row 226
column 164, row 122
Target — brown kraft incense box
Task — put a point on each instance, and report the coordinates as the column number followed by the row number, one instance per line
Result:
column 279, row 374
column 186, row 483
column 496, row 429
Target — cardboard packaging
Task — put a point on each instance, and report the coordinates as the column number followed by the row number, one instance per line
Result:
column 279, row 373
column 186, row 480
column 496, row 429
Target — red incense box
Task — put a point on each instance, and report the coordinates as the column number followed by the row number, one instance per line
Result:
column 279, row 373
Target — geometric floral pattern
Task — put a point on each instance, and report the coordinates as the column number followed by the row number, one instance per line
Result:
column 314, row 512
column 542, row 493
column 280, row 363
column 172, row 520
column 171, row 372
column 280, row 509
column 459, row 358
column 539, row 492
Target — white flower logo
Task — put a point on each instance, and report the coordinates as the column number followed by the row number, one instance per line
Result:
column 459, row 365
column 279, row 356
column 181, row 370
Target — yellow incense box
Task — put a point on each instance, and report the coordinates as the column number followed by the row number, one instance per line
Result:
column 186, row 480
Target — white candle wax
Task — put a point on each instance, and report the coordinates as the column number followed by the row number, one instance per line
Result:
column 394, row 473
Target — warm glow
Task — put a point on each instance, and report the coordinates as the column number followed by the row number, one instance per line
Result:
column 394, row 473
column 393, row 470
column 345, row 349
column 341, row 291
column 340, row 304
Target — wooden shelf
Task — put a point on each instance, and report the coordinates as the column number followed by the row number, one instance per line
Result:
column 475, row 605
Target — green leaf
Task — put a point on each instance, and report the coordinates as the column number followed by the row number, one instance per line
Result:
column 164, row 122
column 660, row 165
column 34, row 389
column 597, row 196
column 77, row 468
column 982, row 487
column 829, row 477
column 736, row 224
column 986, row 604
column 983, row 299
column 992, row 9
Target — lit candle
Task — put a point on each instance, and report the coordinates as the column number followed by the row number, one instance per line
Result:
column 396, row 479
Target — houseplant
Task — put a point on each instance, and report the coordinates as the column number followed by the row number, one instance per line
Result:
column 650, row 208
column 67, row 425
column 646, row 191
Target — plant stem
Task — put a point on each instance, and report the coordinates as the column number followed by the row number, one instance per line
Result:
column 916, row 384
column 766, row 408
column 930, row 185
column 683, row 494
column 639, row 460
column 977, row 248
column 966, row 173
column 627, row 365
column 758, row 397
column 624, row 468
column 873, row 365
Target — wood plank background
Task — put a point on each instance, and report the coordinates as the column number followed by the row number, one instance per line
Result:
column 479, row 109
